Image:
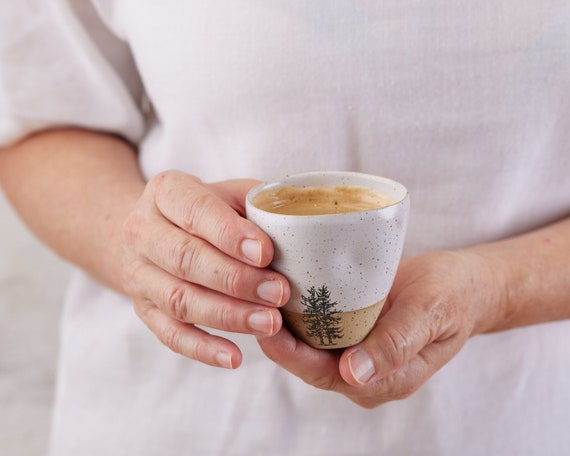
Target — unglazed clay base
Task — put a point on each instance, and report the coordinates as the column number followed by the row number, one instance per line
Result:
column 336, row 330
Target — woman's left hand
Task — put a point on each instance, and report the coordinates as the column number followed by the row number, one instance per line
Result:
column 437, row 302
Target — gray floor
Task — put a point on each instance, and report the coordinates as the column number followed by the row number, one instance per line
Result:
column 32, row 281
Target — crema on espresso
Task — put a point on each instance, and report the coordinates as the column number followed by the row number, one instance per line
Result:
column 321, row 200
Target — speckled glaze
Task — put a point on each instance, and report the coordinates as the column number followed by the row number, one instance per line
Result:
column 354, row 256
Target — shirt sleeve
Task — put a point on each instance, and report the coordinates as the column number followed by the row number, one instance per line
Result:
column 61, row 67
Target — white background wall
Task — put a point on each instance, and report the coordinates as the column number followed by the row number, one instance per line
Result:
column 32, row 283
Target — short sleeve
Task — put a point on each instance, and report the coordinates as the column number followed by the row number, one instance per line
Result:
column 60, row 67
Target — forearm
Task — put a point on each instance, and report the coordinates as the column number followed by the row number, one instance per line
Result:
column 532, row 276
column 74, row 188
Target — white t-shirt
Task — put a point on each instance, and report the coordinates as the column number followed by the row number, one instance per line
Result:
column 466, row 103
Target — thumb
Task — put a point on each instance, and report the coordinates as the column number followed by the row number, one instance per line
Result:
column 396, row 340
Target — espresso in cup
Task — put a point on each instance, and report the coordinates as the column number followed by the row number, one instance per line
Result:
column 338, row 238
column 321, row 200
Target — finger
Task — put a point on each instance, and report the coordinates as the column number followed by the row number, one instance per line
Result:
column 190, row 303
column 197, row 261
column 200, row 211
column 234, row 192
column 318, row 368
column 189, row 340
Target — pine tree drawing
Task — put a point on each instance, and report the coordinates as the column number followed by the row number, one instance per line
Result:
column 321, row 316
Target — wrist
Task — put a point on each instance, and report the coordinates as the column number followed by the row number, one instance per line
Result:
column 491, row 277
column 529, row 276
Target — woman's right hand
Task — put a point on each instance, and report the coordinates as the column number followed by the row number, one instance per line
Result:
column 191, row 258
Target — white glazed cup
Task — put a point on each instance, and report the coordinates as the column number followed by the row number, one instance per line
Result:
column 340, row 266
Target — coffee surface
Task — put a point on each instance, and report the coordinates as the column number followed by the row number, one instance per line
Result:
column 321, row 200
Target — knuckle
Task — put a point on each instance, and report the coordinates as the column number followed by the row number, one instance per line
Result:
column 447, row 319
column 183, row 256
column 226, row 233
column 164, row 183
column 156, row 184
column 439, row 316
column 163, row 179
column 143, row 308
column 233, row 278
column 440, row 312
column 225, row 318
column 195, row 208
column 177, row 302
column 395, row 347
column 199, row 351
column 171, row 336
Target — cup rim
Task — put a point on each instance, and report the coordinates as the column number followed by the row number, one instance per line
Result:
column 290, row 179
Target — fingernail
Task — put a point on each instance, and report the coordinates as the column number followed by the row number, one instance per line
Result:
column 251, row 249
column 361, row 366
column 261, row 322
column 224, row 360
column 271, row 291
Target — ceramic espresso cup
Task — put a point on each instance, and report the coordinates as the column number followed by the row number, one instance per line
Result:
column 338, row 238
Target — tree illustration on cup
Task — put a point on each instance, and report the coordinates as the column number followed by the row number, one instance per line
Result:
column 321, row 316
